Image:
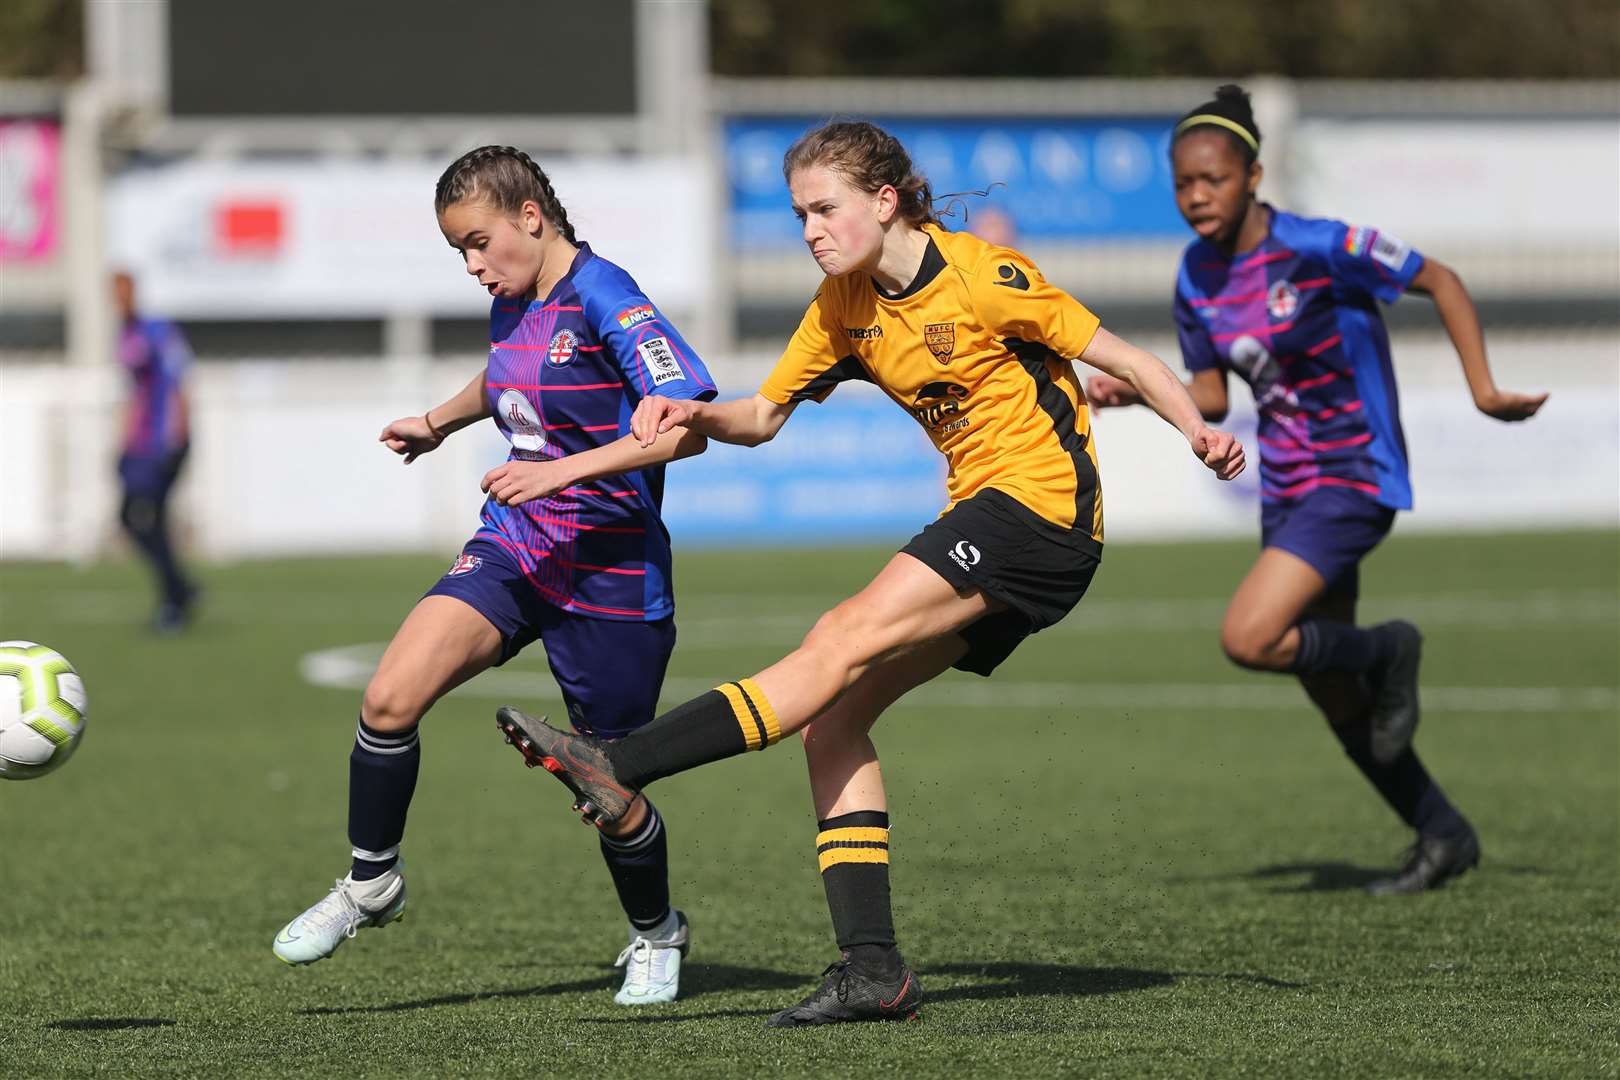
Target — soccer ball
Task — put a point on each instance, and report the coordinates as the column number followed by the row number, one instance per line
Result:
column 42, row 710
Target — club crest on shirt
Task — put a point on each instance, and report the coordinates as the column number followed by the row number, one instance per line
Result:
column 464, row 564
column 940, row 337
column 1282, row 300
column 564, row 343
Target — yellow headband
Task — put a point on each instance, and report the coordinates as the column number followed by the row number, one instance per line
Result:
column 1220, row 121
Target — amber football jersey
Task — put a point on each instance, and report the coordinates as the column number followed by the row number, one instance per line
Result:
column 978, row 349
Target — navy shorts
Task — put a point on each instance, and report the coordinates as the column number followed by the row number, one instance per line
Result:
column 609, row 670
column 1333, row 529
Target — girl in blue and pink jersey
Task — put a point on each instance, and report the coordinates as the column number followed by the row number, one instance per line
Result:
column 1290, row 304
column 157, row 435
column 571, row 549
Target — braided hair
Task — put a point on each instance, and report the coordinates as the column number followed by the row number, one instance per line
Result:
column 868, row 157
column 505, row 178
column 1231, row 113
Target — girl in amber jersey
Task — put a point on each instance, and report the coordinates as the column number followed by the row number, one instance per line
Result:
column 979, row 348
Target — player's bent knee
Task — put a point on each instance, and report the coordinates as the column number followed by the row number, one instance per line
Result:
column 1246, row 645
column 387, row 706
column 843, row 638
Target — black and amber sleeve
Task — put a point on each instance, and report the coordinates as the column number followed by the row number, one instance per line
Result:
column 1015, row 301
column 817, row 359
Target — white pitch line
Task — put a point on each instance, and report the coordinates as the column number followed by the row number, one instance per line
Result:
column 349, row 667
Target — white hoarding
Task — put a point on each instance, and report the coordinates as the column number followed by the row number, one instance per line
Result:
column 344, row 238
column 1490, row 183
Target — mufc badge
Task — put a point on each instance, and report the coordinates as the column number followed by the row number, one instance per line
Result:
column 1282, row 300
column 464, row 564
column 564, row 343
column 940, row 337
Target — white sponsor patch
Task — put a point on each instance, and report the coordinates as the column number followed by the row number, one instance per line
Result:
column 660, row 360
column 1390, row 251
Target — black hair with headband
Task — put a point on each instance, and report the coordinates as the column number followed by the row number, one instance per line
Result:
column 1230, row 112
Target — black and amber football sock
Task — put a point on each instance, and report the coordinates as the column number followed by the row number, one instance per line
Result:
column 722, row 723
column 853, row 850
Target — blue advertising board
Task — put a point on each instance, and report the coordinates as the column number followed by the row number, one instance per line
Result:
column 1058, row 178
column 857, row 467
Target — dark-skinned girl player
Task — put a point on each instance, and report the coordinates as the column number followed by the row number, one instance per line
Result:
column 1290, row 304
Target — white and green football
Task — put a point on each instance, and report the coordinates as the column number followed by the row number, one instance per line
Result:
column 42, row 710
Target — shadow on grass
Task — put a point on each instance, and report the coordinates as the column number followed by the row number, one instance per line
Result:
column 1322, row 876
column 696, row 980
column 989, row 981
column 110, row 1023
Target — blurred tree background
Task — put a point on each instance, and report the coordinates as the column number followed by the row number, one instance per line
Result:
column 41, row 39
column 1387, row 39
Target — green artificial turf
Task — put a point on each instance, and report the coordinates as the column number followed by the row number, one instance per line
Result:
column 1119, row 856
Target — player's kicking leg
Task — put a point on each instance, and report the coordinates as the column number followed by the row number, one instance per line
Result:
column 442, row 643
column 907, row 604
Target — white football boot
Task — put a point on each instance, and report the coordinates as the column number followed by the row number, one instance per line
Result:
column 652, row 963
column 339, row 915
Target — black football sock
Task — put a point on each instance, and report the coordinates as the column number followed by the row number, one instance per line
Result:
column 722, row 723
column 1329, row 645
column 1405, row 785
column 853, row 850
column 382, row 779
column 639, row 864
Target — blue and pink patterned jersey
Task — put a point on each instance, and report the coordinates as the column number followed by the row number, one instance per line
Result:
column 565, row 374
column 156, row 357
column 1297, row 318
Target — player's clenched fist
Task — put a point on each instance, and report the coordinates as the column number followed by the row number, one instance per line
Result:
column 656, row 415
column 412, row 436
column 1220, row 450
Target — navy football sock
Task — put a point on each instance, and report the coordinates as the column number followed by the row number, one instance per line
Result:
column 639, row 864
column 1329, row 645
column 1405, row 785
column 382, row 779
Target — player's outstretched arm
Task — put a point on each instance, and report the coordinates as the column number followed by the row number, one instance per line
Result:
column 414, row 436
column 1207, row 388
column 1461, row 320
column 1157, row 387
column 743, row 422
column 520, row 481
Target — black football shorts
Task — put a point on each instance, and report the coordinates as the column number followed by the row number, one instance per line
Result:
column 994, row 543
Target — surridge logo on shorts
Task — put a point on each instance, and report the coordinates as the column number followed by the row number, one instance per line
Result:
column 464, row 564
column 965, row 555
column 940, row 337
column 563, row 345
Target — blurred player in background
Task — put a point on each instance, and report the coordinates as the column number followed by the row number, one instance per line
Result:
column 157, row 435
column 1291, row 305
column 978, row 347
column 571, row 551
